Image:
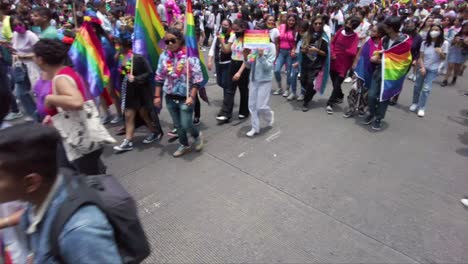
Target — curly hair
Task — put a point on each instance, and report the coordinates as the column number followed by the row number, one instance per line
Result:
column 52, row 51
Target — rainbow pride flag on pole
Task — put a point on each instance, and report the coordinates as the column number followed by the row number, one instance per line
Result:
column 87, row 56
column 396, row 62
column 192, row 47
column 148, row 31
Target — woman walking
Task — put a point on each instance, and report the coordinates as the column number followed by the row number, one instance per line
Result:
column 239, row 77
column 286, row 46
column 25, row 71
column 137, row 94
column 261, row 63
column 172, row 79
column 314, row 56
column 433, row 52
column 456, row 57
column 68, row 92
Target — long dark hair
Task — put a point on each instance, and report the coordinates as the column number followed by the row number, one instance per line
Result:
column 440, row 39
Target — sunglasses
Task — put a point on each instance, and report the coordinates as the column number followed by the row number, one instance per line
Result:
column 170, row 41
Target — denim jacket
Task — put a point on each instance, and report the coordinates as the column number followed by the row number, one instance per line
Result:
column 86, row 238
column 262, row 67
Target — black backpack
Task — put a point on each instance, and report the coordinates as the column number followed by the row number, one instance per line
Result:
column 105, row 192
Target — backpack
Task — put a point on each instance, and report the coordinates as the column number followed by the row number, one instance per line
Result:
column 107, row 193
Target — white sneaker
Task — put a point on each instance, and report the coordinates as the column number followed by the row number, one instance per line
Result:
column 300, row 98
column 348, row 80
column 278, row 91
column 421, row 113
column 329, row 110
column 251, row 133
column 413, row 107
column 291, row 96
column 286, row 93
column 464, row 201
column 272, row 121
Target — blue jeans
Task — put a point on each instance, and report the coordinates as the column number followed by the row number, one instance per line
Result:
column 284, row 57
column 182, row 118
column 295, row 72
column 423, row 87
column 22, row 93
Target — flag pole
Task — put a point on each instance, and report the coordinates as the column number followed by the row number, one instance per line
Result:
column 74, row 14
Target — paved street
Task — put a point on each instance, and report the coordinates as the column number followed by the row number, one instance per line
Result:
column 315, row 188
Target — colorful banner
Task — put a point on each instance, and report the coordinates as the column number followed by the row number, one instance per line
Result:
column 396, row 62
column 256, row 39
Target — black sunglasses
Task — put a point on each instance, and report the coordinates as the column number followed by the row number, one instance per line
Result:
column 170, row 41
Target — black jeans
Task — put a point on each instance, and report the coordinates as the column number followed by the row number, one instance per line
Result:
column 208, row 32
column 229, row 95
column 89, row 164
column 307, row 81
column 337, row 93
column 376, row 108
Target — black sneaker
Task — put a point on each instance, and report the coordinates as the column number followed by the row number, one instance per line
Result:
column 361, row 113
column 454, row 81
column 196, row 121
column 377, row 125
column 368, row 119
column 444, row 83
column 152, row 137
column 305, row 108
column 126, row 145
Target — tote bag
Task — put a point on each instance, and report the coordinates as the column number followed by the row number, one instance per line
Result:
column 81, row 131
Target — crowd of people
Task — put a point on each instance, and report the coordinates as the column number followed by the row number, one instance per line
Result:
column 375, row 47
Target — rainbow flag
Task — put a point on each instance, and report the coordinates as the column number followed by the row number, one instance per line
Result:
column 396, row 62
column 148, row 31
column 87, row 56
column 321, row 80
column 192, row 47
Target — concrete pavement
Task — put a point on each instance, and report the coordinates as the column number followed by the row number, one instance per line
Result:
column 315, row 188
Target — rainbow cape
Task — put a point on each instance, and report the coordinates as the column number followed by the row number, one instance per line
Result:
column 87, row 56
column 192, row 48
column 396, row 62
column 364, row 67
column 321, row 80
column 148, row 31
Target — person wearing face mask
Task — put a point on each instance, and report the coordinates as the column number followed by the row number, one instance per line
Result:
column 363, row 69
column 219, row 53
column 239, row 75
column 433, row 52
column 344, row 48
column 171, row 79
column 26, row 72
column 393, row 39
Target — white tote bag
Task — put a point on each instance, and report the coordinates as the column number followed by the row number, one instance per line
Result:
column 81, row 131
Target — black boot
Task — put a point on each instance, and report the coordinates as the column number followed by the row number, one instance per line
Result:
column 444, row 83
column 454, row 80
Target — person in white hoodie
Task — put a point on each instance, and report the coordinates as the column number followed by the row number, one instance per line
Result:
column 260, row 62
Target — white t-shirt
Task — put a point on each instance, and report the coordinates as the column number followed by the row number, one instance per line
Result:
column 23, row 43
column 274, row 34
column 432, row 59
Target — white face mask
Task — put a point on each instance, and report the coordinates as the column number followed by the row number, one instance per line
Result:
column 434, row 34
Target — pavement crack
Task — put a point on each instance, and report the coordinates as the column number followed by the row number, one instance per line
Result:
column 310, row 206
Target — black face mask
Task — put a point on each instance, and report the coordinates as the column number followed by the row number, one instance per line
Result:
column 224, row 30
column 348, row 30
column 239, row 34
